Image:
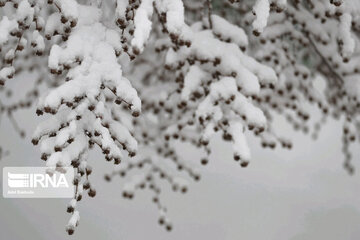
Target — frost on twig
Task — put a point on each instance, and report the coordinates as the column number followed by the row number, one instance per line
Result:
column 81, row 115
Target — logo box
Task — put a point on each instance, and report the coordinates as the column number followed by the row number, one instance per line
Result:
column 36, row 182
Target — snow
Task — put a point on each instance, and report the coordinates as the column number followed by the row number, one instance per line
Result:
column 25, row 12
column 352, row 86
column 174, row 10
column 310, row 23
column 6, row 27
column 348, row 45
column 38, row 42
column 205, row 46
column 69, row 8
column 189, row 80
column 142, row 24
column 229, row 31
column 10, row 55
column 88, row 15
column 113, row 38
column 121, row 8
column 94, row 47
column 74, row 220
column 6, row 73
column 254, row 116
column 52, row 23
column 281, row 3
column 240, row 146
column 89, row 59
column 261, row 10
column 192, row 81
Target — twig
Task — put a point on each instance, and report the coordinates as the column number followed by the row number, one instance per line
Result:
column 338, row 79
column 209, row 6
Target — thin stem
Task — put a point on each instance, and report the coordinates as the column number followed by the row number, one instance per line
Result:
column 209, row 6
column 338, row 79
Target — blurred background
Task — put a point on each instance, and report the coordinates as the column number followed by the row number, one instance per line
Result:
column 303, row 193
